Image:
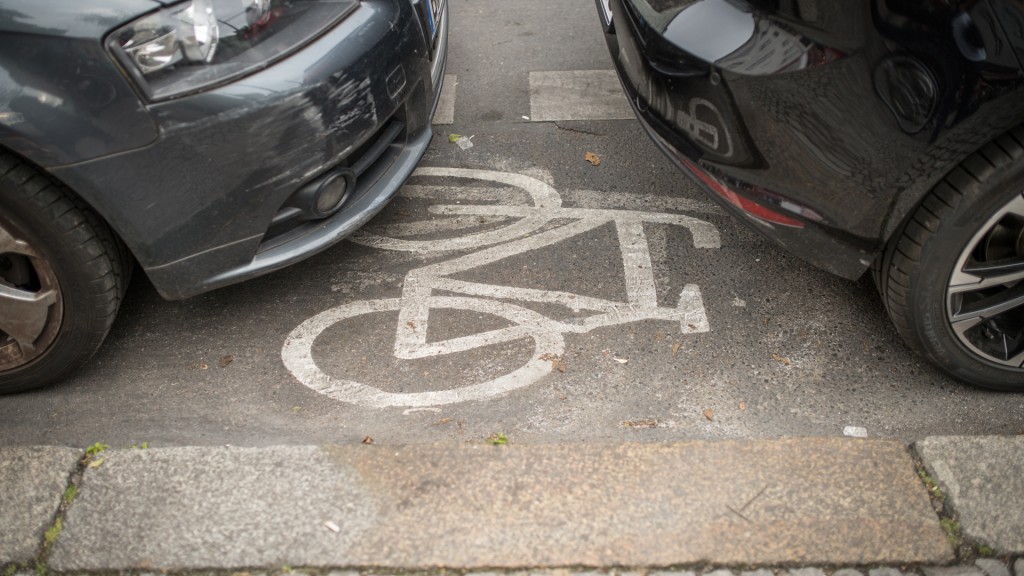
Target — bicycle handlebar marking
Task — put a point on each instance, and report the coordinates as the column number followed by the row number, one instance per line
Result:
column 526, row 234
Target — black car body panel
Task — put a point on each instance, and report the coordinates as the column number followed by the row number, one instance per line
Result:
column 823, row 123
column 202, row 188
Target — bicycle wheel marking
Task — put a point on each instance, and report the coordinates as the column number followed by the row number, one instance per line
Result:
column 297, row 354
column 418, row 300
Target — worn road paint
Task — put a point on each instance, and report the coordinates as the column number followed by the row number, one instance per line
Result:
column 445, row 113
column 526, row 233
column 577, row 95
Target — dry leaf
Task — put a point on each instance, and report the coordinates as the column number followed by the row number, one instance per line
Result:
column 709, row 414
column 225, row 360
column 368, row 440
column 781, row 359
column 676, row 347
column 442, row 421
column 96, row 463
column 592, row 158
column 743, row 405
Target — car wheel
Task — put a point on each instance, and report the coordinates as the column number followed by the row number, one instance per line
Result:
column 62, row 278
column 953, row 278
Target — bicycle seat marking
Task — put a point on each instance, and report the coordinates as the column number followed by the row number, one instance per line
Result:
column 533, row 227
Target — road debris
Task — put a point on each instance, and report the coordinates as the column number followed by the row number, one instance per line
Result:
column 592, row 158
column 675, row 348
column 743, row 405
column 332, row 526
column 709, row 414
column 368, row 440
column 782, row 359
column 461, row 141
column 557, row 362
column 226, row 360
column 497, row 439
column 645, row 423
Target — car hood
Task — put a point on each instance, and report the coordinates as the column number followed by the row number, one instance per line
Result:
column 78, row 19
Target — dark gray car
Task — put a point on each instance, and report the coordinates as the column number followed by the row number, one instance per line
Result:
column 210, row 141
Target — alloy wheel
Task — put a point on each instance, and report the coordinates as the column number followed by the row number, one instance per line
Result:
column 985, row 296
column 31, row 308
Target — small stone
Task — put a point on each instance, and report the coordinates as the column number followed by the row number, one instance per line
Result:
column 847, row 572
column 884, row 571
column 951, row 571
column 992, row 567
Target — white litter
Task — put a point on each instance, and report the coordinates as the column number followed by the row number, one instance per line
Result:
column 332, row 526
column 855, row 432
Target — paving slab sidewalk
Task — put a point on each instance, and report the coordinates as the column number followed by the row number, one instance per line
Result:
column 32, row 481
column 983, row 477
column 795, row 501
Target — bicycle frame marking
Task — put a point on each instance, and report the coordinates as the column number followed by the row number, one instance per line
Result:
column 417, row 299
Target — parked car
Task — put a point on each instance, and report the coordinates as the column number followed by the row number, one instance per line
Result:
column 210, row 141
column 881, row 134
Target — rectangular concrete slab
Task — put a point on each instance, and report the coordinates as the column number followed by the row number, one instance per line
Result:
column 577, row 95
column 829, row 501
column 983, row 479
column 32, row 482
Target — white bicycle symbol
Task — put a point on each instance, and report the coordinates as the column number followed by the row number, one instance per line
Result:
column 535, row 227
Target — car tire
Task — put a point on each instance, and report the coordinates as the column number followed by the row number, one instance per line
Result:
column 63, row 274
column 953, row 278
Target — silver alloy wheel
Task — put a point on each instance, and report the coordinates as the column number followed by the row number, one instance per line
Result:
column 31, row 308
column 985, row 297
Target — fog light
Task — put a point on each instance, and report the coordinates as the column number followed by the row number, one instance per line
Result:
column 331, row 194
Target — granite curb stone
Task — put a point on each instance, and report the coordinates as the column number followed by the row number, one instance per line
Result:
column 981, row 477
column 830, row 501
column 32, row 482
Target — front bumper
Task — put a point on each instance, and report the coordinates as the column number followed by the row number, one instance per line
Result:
column 203, row 206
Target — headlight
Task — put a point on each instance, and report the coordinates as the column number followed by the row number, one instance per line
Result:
column 196, row 44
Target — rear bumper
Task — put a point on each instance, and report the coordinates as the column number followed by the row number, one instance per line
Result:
column 204, row 206
column 698, row 125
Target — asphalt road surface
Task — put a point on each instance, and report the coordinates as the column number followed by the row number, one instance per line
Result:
column 542, row 297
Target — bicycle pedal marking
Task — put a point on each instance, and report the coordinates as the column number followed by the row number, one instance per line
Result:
column 532, row 230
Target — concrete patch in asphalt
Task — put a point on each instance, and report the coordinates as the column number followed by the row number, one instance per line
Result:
column 982, row 478
column 32, row 482
column 828, row 501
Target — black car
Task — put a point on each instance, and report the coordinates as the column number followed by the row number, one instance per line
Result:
column 858, row 134
column 210, row 141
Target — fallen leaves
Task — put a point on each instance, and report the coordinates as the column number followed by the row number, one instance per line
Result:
column 557, row 362
column 592, row 158
column 226, row 360
column 782, row 360
column 368, row 440
column 709, row 414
